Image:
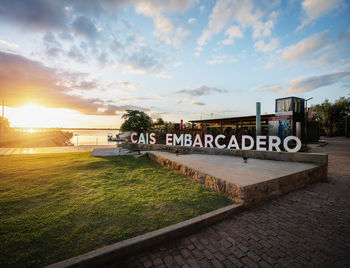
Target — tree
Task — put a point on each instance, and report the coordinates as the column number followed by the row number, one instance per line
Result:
column 332, row 116
column 6, row 126
column 135, row 120
column 159, row 122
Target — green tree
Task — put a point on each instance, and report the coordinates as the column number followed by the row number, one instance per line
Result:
column 135, row 120
column 159, row 122
column 332, row 115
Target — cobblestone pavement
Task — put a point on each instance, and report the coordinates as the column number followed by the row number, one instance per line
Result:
column 309, row 227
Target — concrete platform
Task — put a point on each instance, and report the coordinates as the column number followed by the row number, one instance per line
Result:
column 234, row 170
column 261, row 178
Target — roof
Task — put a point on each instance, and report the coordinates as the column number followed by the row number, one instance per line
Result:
column 233, row 119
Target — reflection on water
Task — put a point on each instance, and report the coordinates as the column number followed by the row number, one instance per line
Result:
column 92, row 137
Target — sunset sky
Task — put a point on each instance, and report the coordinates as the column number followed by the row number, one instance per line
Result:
column 82, row 63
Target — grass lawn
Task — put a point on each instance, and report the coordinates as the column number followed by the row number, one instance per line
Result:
column 57, row 206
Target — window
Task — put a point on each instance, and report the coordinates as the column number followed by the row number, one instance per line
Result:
column 297, row 105
column 284, row 105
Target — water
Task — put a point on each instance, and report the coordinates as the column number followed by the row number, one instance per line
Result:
column 92, row 137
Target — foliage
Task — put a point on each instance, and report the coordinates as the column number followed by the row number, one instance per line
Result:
column 159, row 122
column 56, row 206
column 137, row 121
column 6, row 124
column 332, row 115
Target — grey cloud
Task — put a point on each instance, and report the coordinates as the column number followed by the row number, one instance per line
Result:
column 114, row 109
column 53, row 51
column 116, row 47
column 40, row 14
column 51, row 39
column 143, row 62
column 310, row 83
column 84, row 26
column 53, row 47
column 65, row 35
column 87, row 85
column 76, row 54
column 200, row 91
column 136, row 55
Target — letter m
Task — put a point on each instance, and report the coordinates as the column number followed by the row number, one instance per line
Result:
column 178, row 140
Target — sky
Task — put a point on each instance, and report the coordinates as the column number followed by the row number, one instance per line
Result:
column 83, row 63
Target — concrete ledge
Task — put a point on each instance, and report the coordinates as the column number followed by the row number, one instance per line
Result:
column 321, row 159
column 132, row 246
column 248, row 194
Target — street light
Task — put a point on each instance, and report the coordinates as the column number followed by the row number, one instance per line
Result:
column 306, row 118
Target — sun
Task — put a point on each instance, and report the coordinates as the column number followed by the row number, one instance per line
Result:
column 33, row 115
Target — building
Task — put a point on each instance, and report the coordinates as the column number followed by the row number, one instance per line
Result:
column 288, row 119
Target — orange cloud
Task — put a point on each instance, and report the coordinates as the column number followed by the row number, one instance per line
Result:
column 23, row 80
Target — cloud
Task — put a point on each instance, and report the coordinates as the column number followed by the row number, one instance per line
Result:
column 197, row 103
column 262, row 47
column 9, row 44
column 178, row 64
column 200, row 91
column 164, row 75
column 114, row 109
column 53, row 47
column 305, row 47
column 134, row 99
column 85, row 27
column 310, row 83
column 232, row 33
column 262, row 29
column 180, row 36
column 123, row 86
column 271, row 88
column 162, row 24
column 241, row 12
column 191, row 20
column 135, row 55
column 39, row 14
column 164, row 28
column 76, row 54
column 142, row 61
column 23, row 80
column 316, row 8
column 222, row 59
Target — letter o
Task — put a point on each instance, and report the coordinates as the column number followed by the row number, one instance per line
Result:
column 297, row 140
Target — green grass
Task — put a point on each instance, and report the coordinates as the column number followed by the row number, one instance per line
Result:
column 57, row 206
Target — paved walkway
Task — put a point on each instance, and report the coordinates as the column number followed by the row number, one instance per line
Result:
column 52, row 150
column 305, row 228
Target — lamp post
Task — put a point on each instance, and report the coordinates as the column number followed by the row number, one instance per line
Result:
column 306, row 118
column 2, row 121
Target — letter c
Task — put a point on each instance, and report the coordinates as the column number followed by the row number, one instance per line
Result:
column 132, row 137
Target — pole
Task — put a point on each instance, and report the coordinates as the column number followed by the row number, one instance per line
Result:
column 258, row 119
column 306, row 114
column 2, row 120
